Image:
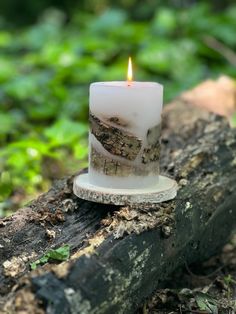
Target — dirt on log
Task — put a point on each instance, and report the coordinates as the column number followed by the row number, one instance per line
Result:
column 120, row 255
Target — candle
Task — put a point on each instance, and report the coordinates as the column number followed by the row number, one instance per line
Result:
column 124, row 137
column 124, row 145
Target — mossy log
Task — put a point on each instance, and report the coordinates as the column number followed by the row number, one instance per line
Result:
column 119, row 255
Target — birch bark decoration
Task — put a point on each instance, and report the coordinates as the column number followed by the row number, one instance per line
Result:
column 125, row 130
column 115, row 140
column 121, row 143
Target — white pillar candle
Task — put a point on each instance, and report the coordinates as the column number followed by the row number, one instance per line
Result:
column 124, row 139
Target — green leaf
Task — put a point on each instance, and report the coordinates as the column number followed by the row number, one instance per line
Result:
column 6, row 185
column 229, row 280
column 34, row 264
column 165, row 21
column 5, row 38
column 60, row 254
column 109, row 20
column 6, row 123
column 206, row 303
column 21, row 87
column 81, row 150
column 65, row 131
column 8, row 69
column 44, row 259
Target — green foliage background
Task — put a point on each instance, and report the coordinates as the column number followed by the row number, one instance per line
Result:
column 46, row 68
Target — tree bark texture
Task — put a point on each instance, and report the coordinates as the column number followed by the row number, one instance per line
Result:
column 120, row 255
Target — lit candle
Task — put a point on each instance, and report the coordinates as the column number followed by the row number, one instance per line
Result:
column 125, row 127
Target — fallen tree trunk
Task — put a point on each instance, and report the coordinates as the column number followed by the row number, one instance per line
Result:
column 119, row 255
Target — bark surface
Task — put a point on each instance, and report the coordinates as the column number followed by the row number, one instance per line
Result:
column 120, row 255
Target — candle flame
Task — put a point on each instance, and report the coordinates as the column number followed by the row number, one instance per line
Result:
column 130, row 72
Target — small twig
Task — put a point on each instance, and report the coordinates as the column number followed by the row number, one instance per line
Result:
column 203, row 276
column 218, row 46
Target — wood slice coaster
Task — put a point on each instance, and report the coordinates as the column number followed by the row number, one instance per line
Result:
column 165, row 189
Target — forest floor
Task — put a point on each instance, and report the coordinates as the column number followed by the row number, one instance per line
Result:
column 209, row 287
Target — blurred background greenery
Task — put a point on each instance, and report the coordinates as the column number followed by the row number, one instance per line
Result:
column 51, row 50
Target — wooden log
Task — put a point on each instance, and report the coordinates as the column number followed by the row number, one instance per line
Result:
column 119, row 255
